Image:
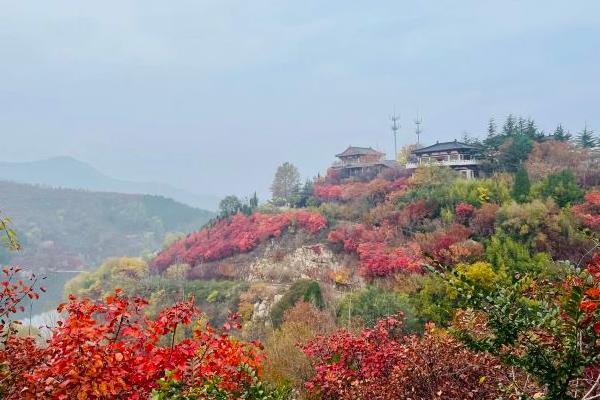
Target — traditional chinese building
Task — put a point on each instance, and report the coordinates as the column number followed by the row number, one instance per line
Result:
column 361, row 161
column 459, row 156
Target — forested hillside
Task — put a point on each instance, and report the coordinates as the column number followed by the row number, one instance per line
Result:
column 76, row 229
column 414, row 284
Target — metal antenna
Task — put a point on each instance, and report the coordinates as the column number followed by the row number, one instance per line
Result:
column 418, row 131
column 395, row 127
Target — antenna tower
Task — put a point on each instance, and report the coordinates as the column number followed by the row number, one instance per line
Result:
column 395, row 127
column 418, row 122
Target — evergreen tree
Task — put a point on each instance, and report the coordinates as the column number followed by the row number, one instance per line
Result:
column 532, row 131
column 560, row 134
column 521, row 126
column 510, row 126
column 254, row 202
column 491, row 128
column 515, row 151
column 586, row 138
column 562, row 187
column 522, row 186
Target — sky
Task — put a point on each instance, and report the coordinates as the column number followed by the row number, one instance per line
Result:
column 211, row 96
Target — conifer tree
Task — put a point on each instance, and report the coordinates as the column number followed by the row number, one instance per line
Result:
column 510, row 126
column 522, row 186
column 560, row 134
column 491, row 128
column 586, row 138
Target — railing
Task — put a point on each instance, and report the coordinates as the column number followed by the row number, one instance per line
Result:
column 445, row 163
column 347, row 164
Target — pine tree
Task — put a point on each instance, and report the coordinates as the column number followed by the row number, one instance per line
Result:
column 509, row 128
column 586, row 138
column 491, row 128
column 254, row 202
column 560, row 134
column 531, row 130
column 522, row 186
column 521, row 124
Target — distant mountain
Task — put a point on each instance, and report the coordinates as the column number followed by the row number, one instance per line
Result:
column 74, row 229
column 67, row 172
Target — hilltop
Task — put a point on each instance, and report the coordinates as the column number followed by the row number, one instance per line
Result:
column 68, row 172
column 478, row 253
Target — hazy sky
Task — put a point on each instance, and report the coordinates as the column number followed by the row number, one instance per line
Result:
column 212, row 95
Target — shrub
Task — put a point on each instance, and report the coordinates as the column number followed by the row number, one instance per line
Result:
column 301, row 290
column 484, row 220
column 589, row 211
column 379, row 260
column 367, row 306
column 561, row 187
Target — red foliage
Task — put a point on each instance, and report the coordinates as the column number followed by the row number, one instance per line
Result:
column 438, row 244
column 463, row 212
column 413, row 213
column 350, row 237
column 484, row 219
column 108, row 349
column 378, row 260
column 377, row 257
column 239, row 234
column 374, row 190
column 589, row 211
column 12, row 291
column 345, row 363
column 378, row 364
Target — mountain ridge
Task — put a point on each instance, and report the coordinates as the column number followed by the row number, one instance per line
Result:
column 69, row 172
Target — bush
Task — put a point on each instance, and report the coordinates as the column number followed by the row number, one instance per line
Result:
column 561, row 187
column 367, row 306
column 303, row 290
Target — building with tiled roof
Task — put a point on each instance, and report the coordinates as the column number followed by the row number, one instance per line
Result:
column 461, row 157
column 361, row 161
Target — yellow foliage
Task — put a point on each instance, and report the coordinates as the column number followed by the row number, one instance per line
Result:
column 123, row 271
column 480, row 273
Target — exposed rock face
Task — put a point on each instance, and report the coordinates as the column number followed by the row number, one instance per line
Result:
column 262, row 309
column 285, row 265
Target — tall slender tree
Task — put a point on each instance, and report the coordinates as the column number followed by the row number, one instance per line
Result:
column 492, row 131
column 522, row 186
column 510, row 126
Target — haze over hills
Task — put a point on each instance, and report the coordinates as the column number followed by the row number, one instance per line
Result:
column 67, row 172
column 73, row 229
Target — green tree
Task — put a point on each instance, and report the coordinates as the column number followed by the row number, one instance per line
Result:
column 366, row 307
column 510, row 126
column 302, row 197
column 521, row 187
column 514, row 152
column 229, row 205
column 254, row 201
column 562, row 188
column 561, row 135
column 285, row 183
column 491, row 131
column 586, row 138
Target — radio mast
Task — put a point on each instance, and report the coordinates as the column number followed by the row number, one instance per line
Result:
column 418, row 122
column 395, row 127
